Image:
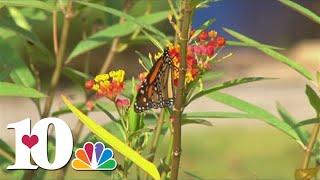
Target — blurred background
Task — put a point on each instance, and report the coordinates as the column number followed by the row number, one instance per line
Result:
column 232, row 148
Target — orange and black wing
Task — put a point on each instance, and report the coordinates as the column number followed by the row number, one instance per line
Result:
column 156, row 91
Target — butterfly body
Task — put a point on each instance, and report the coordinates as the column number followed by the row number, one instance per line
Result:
column 156, row 91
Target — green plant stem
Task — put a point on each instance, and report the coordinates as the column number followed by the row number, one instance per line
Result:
column 313, row 139
column 59, row 59
column 155, row 138
column 115, row 42
column 179, row 101
column 168, row 159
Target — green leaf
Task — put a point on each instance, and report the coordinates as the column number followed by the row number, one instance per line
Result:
column 196, row 121
column 294, row 65
column 154, row 40
column 313, row 98
column 14, row 90
column 255, row 111
column 304, row 135
column 203, row 27
column 66, row 110
column 217, row 114
column 106, row 111
column 4, row 74
column 145, row 60
column 6, row 151
column 302, row 10
column 307, row 122
column 20, row 73
column 237, row 43
column 226, row 85
column 28, row 3
column 126, row 16
column 114, row 142
column 75, row 75
column 106, row 35
column 30, row 37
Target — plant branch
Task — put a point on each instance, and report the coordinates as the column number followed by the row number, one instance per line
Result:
column 115, row 42
column 55, row 32
column 179, row 101
column 313, row 139
column 59, row 59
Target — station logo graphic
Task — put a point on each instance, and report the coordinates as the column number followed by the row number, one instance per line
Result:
column 94, row 157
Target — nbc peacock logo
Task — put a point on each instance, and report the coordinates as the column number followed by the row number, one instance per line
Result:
column 94, row 157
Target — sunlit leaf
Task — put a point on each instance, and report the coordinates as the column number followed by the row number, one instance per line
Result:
column 280, row 57
column 14, row 90
column 114, row 142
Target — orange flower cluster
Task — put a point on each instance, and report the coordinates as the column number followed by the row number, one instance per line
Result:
column 199, row 53
column 109, row 85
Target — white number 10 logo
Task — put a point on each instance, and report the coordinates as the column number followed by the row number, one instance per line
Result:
column 34, row 142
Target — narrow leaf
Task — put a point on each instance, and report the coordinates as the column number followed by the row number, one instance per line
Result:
column 105, row 110
column 256, row 111
column 237, row 43
column 28, row 3
column 114, row 142
column 226, row 85
column 122, row 14
column 304, row 135
column 203, row 27
column 14, row 90
column 75, row 75
column 217, row 114
column 313, row 98
column 302, row 10
column 307, row 122
column 280, row 57
column 20, row 72
column 196, row 121
column 119, row 30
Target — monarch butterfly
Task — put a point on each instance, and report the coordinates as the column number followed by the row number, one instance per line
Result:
column 156, row 91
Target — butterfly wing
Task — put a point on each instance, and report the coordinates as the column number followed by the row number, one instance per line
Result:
column 156, row 90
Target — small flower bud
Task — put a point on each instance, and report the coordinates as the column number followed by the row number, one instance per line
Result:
column 89, row 84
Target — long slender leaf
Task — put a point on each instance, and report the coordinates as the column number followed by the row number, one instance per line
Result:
column 106, row 111
column 256, row 111
column 75, row 75
column 28, row 3
column 66, row 110
column 304, row 135
column 226, row 85
column 196, row 121
column 106, row 35
column 313, row 98
column 280, row 57
column 203, row 27
column 122, row 14
column 302, row 10
column 14, row 90
column 307, row 122
column 20, row 73
column 29, row 36
column 237, row 43
column 217, row 114
column 114, row 142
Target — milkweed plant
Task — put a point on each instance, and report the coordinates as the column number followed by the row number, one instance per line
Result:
column 136, row 136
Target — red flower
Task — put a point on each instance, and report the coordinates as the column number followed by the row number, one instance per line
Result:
column 89, row 105
column 203, row 36
column 221, row 41
column 89, row 84
column 123, row 103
